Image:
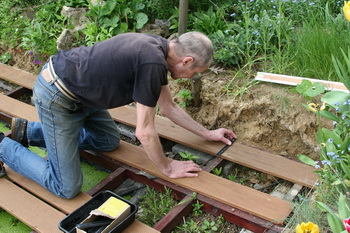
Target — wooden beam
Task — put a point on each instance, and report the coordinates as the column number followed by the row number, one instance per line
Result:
column 293, row 81
column 183, row 15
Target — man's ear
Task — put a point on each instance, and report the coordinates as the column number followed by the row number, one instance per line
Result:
column 187, row 61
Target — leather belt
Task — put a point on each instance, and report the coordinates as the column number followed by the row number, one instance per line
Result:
column 50, row 75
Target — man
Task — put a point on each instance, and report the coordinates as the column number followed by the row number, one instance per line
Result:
column 75, row 89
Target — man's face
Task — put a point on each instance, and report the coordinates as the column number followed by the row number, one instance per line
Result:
column 183, row 70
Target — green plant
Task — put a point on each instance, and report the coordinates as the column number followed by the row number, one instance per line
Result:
column 309, row 90
column 217, row 171
column 155, row 205
column 44, row 29
column 188, row 156
column 210, row 21
column 197, row 208
column 114, row 17
column 186, row 97
column 335, row 220
column 234, row 176
column 209, row 226
column 343, row 72
column 4, row 58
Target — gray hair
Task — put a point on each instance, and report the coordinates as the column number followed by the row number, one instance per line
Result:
column 196, row 45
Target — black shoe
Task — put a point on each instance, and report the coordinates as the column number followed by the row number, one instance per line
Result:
column 2, row 170
column 2, row 136
column 19, row 131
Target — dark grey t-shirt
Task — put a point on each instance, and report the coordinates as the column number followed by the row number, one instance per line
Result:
column 128, row 67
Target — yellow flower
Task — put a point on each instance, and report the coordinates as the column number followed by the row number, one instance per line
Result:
column 346, row 10
column 313, row 107
column 307, row 228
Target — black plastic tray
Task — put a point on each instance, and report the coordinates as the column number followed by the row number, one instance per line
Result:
column 68, row 223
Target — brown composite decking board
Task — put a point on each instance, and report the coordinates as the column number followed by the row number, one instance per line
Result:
column 17, row 76
column 269, row 163
column 28, row 209
column 64, row 205
column 238, row 196
column 260, row 160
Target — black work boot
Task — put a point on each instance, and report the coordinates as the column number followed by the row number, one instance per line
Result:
column 19, row 131
column 2, row 168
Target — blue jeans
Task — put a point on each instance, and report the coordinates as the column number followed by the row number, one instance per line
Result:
column 65, row 127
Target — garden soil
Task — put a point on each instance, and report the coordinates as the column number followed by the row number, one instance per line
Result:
column 267, row 116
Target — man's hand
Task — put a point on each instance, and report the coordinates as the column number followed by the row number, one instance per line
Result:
column 221, row 134
column 180, row 169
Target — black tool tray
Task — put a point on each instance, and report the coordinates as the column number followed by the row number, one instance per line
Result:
column 68, row 224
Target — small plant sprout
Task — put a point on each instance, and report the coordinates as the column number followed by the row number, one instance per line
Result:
column 188, row 156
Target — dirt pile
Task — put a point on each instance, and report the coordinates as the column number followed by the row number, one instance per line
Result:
column 268, row 116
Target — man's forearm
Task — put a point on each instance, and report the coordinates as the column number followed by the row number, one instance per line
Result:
column 181, row 118
column 151, row 144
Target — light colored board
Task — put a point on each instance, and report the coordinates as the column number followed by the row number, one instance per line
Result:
column 28, row 209
column 293, row 81
column 17, row 76
column 260, row 160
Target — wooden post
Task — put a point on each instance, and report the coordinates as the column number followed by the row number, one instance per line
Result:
column 196, row 82
column 183, row 7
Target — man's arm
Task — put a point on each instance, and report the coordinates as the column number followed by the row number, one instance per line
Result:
column 176, row 114
column 147, row 134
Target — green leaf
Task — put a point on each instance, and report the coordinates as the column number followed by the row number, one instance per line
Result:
column 335, row 223
column 304, row 86
column 329, row 115
column 331, row 134
column 346, row 170
column 305, row 159
column 343, row 207
column 333, row 97
column 315, row 90
column 109, row 7
column 141, row 20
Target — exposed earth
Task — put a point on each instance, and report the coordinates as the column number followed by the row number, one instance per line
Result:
column 267, row 116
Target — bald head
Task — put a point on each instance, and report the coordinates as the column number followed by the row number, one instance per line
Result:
column 196, row 45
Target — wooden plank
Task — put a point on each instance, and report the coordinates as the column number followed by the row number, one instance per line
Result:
column 28, row 209
column 275, row 165
column 292, row 80
column 17, row 76
column 217, row 188
column 232, row 194
column 65, row 205
column 263, row 161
